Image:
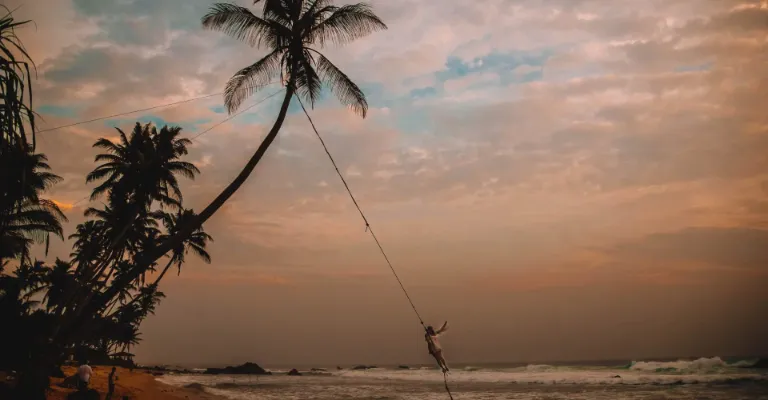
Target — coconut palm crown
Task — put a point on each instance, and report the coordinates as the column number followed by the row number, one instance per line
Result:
column 289, row 30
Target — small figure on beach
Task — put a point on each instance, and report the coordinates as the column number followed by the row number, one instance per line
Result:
column 84, row 376
column 434, row 346
column 111, row 384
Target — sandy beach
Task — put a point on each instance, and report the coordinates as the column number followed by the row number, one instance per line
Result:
column 136, row 384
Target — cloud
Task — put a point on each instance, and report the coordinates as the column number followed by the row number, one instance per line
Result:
column 616, row 112
column 550, row 148
column 63, row 206
column 235, row 278
column 739, row 248
column 636, row 123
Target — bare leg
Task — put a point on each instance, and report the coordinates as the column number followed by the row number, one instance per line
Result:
column 440, row 360
column 443, row 364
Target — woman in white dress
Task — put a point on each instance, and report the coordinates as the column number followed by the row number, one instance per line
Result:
column 434, row 346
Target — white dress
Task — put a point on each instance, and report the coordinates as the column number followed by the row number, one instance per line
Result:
column 435, row 344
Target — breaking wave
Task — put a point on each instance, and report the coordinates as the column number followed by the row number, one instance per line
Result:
column 701, row 365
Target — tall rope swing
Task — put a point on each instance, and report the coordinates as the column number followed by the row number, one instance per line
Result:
column 368, row 228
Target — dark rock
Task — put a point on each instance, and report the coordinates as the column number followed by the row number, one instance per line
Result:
column 294, row 372
column 338, row 368
column 616, row 376
column 245, row 369
column 318, row 369
column 359, row 367
column 403, row 367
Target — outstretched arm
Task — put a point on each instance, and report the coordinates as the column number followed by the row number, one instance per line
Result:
column 442, row 328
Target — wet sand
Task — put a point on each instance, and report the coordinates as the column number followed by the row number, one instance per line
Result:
column 139, row 384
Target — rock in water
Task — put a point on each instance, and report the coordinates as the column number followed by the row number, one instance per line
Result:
column 403, row 367
column 294, row 372
column 248, row 368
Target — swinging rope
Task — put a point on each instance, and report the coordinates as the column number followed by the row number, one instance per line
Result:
column 368, row 228
column 447, row 389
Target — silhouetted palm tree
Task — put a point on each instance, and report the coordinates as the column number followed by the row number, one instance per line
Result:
column 89, row 244
column 126, row 231
column 196, row 242
column 288, row 29
column 25, row 218
column 59, row 279
column 16, row 107
column 31, row 222
column 25, row 175
column 142, row 167
column 136, row 171
column 24, row 323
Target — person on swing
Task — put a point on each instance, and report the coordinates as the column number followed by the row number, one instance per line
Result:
column 434, row 346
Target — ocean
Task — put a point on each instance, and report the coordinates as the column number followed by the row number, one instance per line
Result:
column 703, row 378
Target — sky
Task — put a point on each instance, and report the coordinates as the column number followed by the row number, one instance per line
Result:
column 559, row 179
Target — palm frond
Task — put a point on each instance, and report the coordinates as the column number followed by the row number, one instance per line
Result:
column 250, row 79
column 347, row 91
column 306, row 80
column 186, row 169
column 201, row 252
column 238, row 22
column 278, row 10
column 346, row 24
column 107, row 144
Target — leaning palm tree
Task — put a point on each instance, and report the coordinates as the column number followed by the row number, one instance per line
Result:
column 195, row 243
column 292, row 31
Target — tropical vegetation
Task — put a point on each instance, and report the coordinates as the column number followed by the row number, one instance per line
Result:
column 94, row 302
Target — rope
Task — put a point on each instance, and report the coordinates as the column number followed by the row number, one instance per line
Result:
column 234, row 115
column 447, row 389
column 139, row 110
column 128, row 112
column 196, row 136
column 368, row 227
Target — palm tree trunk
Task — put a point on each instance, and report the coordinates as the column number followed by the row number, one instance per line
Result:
column 157, row 282
column 174, row 241
column 162, row 274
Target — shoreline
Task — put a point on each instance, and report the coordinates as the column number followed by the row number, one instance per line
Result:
column 136, row 384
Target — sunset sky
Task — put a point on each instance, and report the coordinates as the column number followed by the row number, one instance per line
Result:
column 559, row 179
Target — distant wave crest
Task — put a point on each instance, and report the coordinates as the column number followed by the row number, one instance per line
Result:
column 539, row 367
column 704, row 364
